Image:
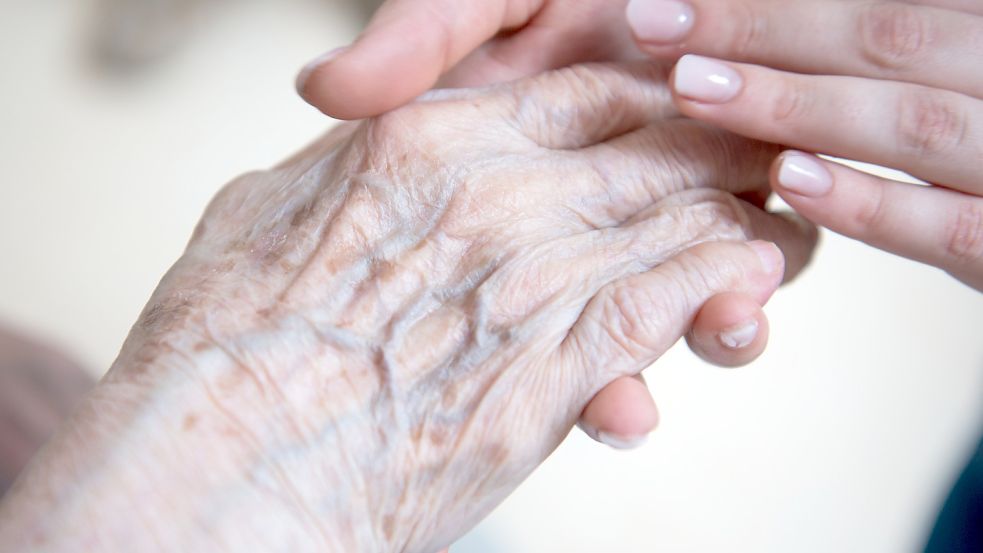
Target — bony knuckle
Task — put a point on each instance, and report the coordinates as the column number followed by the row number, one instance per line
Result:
column 234, row 196
column 627, row 323
column 929, row 124
column 708, row 215
column 551, row 107
column 963, row 239
column 892, row 35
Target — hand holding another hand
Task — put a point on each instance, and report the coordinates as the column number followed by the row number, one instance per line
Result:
column 894, row 83
column 898, row 84
column 368, row 347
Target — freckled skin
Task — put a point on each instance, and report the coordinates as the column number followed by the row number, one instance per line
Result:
column 363, row 348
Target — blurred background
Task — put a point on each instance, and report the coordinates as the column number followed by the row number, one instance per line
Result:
column 119, row 119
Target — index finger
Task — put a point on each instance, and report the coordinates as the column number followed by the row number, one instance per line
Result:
column 404, row 50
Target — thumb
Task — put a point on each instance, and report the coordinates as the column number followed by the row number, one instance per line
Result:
column 402, row 53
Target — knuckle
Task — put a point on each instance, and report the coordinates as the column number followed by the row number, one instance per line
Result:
column 556, row 108
column 793, row 101
column 707, row 268
column 751, row 33
column 929, row 124
column 707, row 215
column 870, row 213
column 892, row 35
column 963, row 239
column 627, row 323
column 234, row 197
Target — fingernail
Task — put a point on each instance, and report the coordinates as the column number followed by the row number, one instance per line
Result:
column 771, row 257
column 740, row 335
column 324, row 58
column 803, row 174
column 664, row 21
column 705, row 80
column 620, row 442
column 587, row 429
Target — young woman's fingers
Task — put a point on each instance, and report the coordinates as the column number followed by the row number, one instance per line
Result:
column 562, row 33
column 622, row 414
column 631, row 322
column 886, row 40
column 933, row 134
column 730, row 330
column 938, row 226
column 403, row 51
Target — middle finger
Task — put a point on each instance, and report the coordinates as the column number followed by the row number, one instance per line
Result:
column 885, row 40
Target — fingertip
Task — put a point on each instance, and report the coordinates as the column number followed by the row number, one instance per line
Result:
column 621, row 415
column 342, row 86
column 801, row 175
column 772, row 260
column 730, row 330
column 304, row 75
column 659, row 23
column 377, row 73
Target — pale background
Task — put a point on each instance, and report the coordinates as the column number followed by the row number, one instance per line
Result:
column 843, row 437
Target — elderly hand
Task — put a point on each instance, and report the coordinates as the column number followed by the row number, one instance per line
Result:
column 451, row 44
column 369, row 347
column 895, row 83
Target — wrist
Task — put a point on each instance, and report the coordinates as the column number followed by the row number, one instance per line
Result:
column 182, row 450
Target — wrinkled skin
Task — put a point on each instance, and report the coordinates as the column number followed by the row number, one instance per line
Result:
column 368, row 347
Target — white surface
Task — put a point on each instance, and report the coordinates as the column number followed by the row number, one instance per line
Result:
column 843, row 437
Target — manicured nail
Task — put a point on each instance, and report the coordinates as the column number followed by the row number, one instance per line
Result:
column 740, row 335
column 664, row 21
column 803, row 174
column 705, row 80
column 324, row 58
column 620, row 442
column 587, row 429
column 771, row 257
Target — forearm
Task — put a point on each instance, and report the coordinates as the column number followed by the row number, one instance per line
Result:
column 186, row 451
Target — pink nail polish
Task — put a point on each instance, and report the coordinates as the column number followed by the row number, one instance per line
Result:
column 804, row 174
column 705, row 80
column 659, row 21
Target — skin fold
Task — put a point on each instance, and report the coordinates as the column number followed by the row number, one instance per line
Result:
column 371, row 345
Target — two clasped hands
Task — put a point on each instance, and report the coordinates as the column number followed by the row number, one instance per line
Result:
column 369, row 346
